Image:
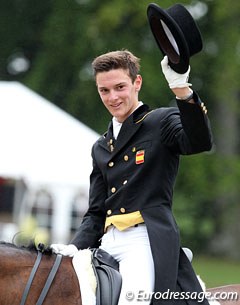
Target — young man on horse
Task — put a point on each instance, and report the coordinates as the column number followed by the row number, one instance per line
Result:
column 135, row 164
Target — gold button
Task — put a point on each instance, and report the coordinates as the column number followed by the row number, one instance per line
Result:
column 122, row 210
column 125, row 158
column 109, row 212
column 111, row 141
column 113, row 189
column 133, row 149
column 125, row 182
column 110, row 164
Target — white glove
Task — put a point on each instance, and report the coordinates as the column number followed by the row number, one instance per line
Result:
column 188, row 253
column 66, row 250
column 174, row 79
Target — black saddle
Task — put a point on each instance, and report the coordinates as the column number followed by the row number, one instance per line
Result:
column 109, row 280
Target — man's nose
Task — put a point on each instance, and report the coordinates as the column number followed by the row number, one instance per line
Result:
column 113, row 95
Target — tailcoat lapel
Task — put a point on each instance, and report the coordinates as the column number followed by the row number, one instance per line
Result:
column 129, row 127
column 107, row 141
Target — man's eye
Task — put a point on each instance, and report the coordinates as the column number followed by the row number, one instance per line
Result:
column 103, row 90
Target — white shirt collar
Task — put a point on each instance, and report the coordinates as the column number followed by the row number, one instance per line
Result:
column 117, row 125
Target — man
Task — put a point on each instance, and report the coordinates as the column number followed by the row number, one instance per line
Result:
column 135, row 164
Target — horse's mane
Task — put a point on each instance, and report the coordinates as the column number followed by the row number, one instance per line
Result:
column 30, row 247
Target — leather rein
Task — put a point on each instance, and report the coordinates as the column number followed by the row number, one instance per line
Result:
column 48, row 283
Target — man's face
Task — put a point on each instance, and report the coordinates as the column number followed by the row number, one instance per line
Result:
column 118, row 93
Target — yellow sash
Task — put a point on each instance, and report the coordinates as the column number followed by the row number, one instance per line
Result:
column 124, row 221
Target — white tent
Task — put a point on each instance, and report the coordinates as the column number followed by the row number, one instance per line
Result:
column 43, row 145
column 39, row 141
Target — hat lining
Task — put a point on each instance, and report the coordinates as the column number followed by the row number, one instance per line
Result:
column 170, row 36
column 166, row 46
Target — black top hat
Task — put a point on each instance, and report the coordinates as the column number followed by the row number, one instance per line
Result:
column 176, row 34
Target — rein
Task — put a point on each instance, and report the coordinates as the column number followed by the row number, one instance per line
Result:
column 48, row 283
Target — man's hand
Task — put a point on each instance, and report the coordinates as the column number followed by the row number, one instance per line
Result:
column 174, row 79
column 66, row 250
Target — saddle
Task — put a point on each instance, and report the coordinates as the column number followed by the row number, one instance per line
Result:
column 109, row 280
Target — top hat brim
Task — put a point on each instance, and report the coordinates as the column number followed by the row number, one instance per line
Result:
column 176, row 48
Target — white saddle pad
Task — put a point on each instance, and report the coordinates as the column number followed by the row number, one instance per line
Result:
column 82, row 264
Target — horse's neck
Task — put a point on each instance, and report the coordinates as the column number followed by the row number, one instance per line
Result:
column 15, row 268
column 14, row 259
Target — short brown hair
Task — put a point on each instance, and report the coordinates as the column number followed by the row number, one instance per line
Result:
column 117, row 60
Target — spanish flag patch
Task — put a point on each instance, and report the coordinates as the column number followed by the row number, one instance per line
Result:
column 139, row 157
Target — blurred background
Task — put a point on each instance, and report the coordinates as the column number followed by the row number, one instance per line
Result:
column 46, row 52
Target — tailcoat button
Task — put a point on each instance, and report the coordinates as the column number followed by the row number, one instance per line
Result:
column 125, row 182
column 110, row 164
column 122, row 210
column 134, row 149
column 126, row 158
column 109, row 212
column 113, row 189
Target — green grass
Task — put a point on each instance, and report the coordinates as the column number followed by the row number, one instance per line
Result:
column 217, row 272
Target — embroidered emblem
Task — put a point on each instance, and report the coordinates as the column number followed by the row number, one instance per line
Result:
column 139, row 157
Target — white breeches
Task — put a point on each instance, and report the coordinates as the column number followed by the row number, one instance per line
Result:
column 131, row 249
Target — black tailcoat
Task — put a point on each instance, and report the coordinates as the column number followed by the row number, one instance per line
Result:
column 119, row 185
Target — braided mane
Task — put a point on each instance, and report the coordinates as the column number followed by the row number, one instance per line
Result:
column 30, row 247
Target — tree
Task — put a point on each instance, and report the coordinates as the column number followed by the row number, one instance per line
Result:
column 223, row 49
column 21, row 23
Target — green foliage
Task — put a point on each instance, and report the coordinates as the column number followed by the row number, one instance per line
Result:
column 203, row 180
column 21, row 23
column 194, row 200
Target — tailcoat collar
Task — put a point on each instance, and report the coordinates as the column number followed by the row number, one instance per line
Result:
column 128, row 129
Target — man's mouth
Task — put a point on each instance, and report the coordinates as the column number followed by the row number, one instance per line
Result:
column 116, row 105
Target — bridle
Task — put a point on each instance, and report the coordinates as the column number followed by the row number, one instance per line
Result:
column 48, row 282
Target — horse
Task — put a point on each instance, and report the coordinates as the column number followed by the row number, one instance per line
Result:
column 16, row 264
column 226, row 295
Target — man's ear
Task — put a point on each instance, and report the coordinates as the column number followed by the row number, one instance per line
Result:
column 138, row 82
